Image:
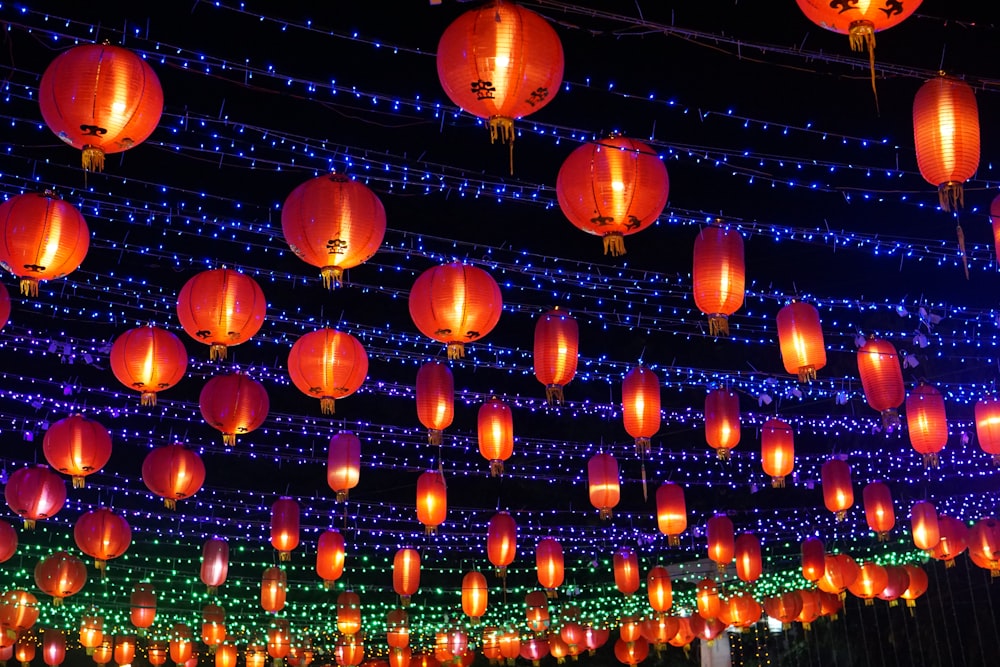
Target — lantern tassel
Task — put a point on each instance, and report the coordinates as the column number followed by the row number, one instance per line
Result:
column 778, row 482
column 841, row 515
column 29, row 287
column 869, row 602
column 170, row 503
column 456, row 350
column 327, row 405
column 883, row 536
column 551, row 593
column 29, row 524
column 894, row 603
column 951, row 196
column 502, row 128
column 931, row 460
column 807, row 373
column 57, row 602
column 430, row 530
column 994, row 569
column 78, row 482
column 961, row 249
column 332, row 276
column 90, row 650
column 890, row 419
column 229, row 439
column 342, row 496
column 674, row 540
column 554, row 394
column 722, row 453
column 807, row 626
column 404, row 600
column 496, row 468
column 284, row 556
column 211, row 590
column 147, row 398
column 434, row 436
column 718, row 325
column 642, row 446
column 502, row 572
column 949, row 563
column 862, row 37
column 614, row 244
column 605, row 513
column 217, row 351
column 93, row 158
column 100, row 564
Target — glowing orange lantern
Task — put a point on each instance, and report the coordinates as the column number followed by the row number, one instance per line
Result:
column 810, row 607
column 556, row 352
column 917, row 586
column 285, row 527
column 926, row 422
column 838, row 493
column 984, row 545
column 349, row 613
column 510, row 645
column 349, row 651
column 722, row 421
column 777, row 451
column 142, row 603
column 328, row 364
column 800, row 337
column 18, row 613
column 124, row 650
column 721, row 542
column 685, row 635
column 558, row 649
column 707, row 599
column 406, row 574
column 879, row 512
column 233, row 403
column 102, row 535
column 549, row 563
column 612, row 188
column 659, row 589
column 53, row 647
column 330, row 557
column 660, row 630
column 435, row 394
column 173, row 472
column 671, row 511
column 91, row 632
column 740, row 611
column 343, row 463
column 24, row 650
column 946, row 136
column 747, row 555
column 719, row 276
column 35, row 493
column 631, row 653
column 881, row 378
column 603, row 483
column 455, row 304
column 897, row 581
column 432, row 500
column 536, row 611
column 149, row 360
column 213, row 625
column 534, row 650
column 8, row 541
column 496, row 434
column 475, row 595
column 102, row 654
column 181, row 644
column 221, row 308
column 60, row 575
column 501, row 542
column 840, row 572
column 988, row 417
column 813, row 558
column 256, row 655
column 214, row 563
column 397, row 629
column 226, row 655
column 871, row 580
column 954, row 540
column 626, row 568
column 77, row 446
column 784, row 607
column 273, row 587
column 641, row 406
column 924, row 525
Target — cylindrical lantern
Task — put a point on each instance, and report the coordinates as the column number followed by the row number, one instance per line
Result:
column 349, row 613
column 173, row 472
column 214, row 563
column 327, row 364
column 475, row 595
column 233, row 403
column 142, row 606
column 626, row 568
column 24, row 650
column 435, row 398
column 746, row 553
column 496, row 434
column 838, row 493
column 881, row 379
column 813, row 558
column 897, row 582
column 604, row 483
column 721, row 541
column 549, row 563
column 397, row 629
column 455, row 304
column 273, row 587
column 181, row 644
column 707, row 599
column 722, row 421
column 406, row 574
column 800, row 337
column 501, row 542
column 53, row 647
column 926, row 422
column 330, row 557
column 879, row 512
column 660, row 589
column 226, row 655
column 641, row 406
column 671, row 511
column 556, row 352
column 432, row 500
column 719, row 276
column 103, row 653
column 343, row 463
column 924, row 525
column 148, row 359
column 91, row 632
column 221, row 308
column 988, row 415
column 60, row 575
column 102, row 535
column 124, row 650
column 777, row 451
column 946, row 136
column 35, row 493
column 285, row 527
column 871, row 580
column 77, row 446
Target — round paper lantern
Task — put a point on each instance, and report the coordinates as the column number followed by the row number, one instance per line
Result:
column 406, row 574
column 800, row 337
column 660, row 589
column 149, row 360
column 660, row 629
column 142, row 602
column 641, row 406
column 946, row 136
column 334, row 224
column 233, row 403
column 24, row 650
column 722, row 421
column 327, row 364
column 343, row 463
column 626, row 569
column 8, row 541
column 810, row 607
column 871, row 580
column 917, row 584
column 397, row 629
column 988, row 425
column 840, row 572
column 813, row 558
column 124, row 650
column 534, row 650
column 60, row 575
column 879, row 512
column 77, row 446
column 536, row 611
column 740, row 610
column 432, row 500
column 53, row 647
column 596, row 637
column 954, row 540
column 612, row 188
column 897, row 582
column 18, row 613
column 330, row 557
column 556, row 352
column 455, row 304
column 501, row 542
column 549, row 564
column 173, row 472
column 924, row 525
column 719, row 276
column 707, row 599
column 721, row 542
column 221, row 308
column 777, row 451
column 41, row 238
column 273, row 587
column 630, row 629
column 100, row 99
column 984, row 545
column 285, row 527
column 102, row 535
column 881, row 378
column 4, row 306
column 685, row 635
column 784, row 607
column 214, row 563
column 496, row 434
column 671, row 511
column 435, row 394
column 631, row 653
column 926, row 422
column 475, row 595
column 838, row 493
column 603, row 483
column 34, row 493
column 748, row 559
column 349, row 613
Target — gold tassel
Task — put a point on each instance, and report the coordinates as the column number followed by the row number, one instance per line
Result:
column 605, row 513
column 93, row 158
column 431, row 530
column 404, row 600
column 502, row 128
column 217, row 351
column 333, row 277
column 869, row 602
column 722, row 453
column 57, row 602
column 894, row 603
column 931, row 460
column 614, row 244
column 718, row 325
column 78, row 482
column 434, row 436
column 674, row 540
column 807, row 626
column 961, row 249
column 949, row 563
column 890, row 418
column 642, row 445
column 496, row 468
column 841, row 515
column 229, row 439
column 721, row 567
column 994, row 569
column 342, row 496
column 551, row 593
column 883, row 536
column 502, row 572
column 327, row 405
column 29, row 287
column 90, row 650
column 778, row 482
column 554, row 394
column 170, row 503
column 147, row 398
column 807, row 373
column 284, row 556
column 456, row 350
column 951, row 195
column 29, row 524
column 862, row 37
column 100, row 564
column 211, row 590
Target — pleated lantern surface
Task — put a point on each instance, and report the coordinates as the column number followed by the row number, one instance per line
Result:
column 924, row 525
column 946, row 136
column 501, row 542
column 987, row 414
column 721, row 540
column 35, row 493
column 148, row 360
column 800, row 337
column 406, row 574
column 556, row 352
column 455, row 304
column 102, row 535
column 719, row 276
column 641, row 406
column 882, row 379
column 330, row 557
column 813, row 558
column 173, row 472
column 285, row 527
column 626, row 570
column 671, row 511
column 879, row 511
column 77, row 446
column 142, row 606
column 432, row 500
column 328, row 364
column 234, row 404
column 926, row 422
column 214, row 563
column 549, row 564
column 777, row 451
column 221, row 308
column 60, row 575
column 838, row 493
column 475, row 595
column 495, row 433
column 722, row 421
column 746, row 553
column 603, row 483
column 343, row 463
column 435, row 398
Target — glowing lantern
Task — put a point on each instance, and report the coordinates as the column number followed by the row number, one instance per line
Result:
column 455, row 304
column 214, row 563
column 349, row 613
column 221, row 308
column 659, row 589
column 984, row 545
column 349, row 651
column 35, row 493
column 549, row 563
column 838, row 494
column 897, row 581
column 91, row 632
column 926, row 422
column 213, row 625
column 432, row 500
column 181, row 645
column 233, row 404
column 719, row 276
column 435, row 394
column 226, row 655
column 707, row 599
column 273, row 587
column 800, row 337
column 879, row 512
column 777, row 451
column 501, row 542
column 721, row 542
column 813, row 558
column 626, row 568
column 343, row 463
column 496, row 434
column 256, row 655
column 556, row 352
column 536, row 611
column 784, row 607
column 475, row 595
column 4, row 306
column 8, row 541
column 988, row 408
column 173, row 472
column 510, row 645
column 60, row 575
column 924, row 525
column 77, row 446
column 881, row 378
column 603, row 483
column 740, row 611
column 810, row 607
column 103, row 653
column 596, row 638
column 747, row 556
column 685, row 635
column 330, row 557
column 397, row 629
column 491, row 644
column 641, row 406
column 102, row 535
column 946, row 136
column 840, row 572
column 954, row 540
column 149, row 360
column 558, row 649
column 327, row 364
column 285, row 527
column 534, row 650
column 917, row 584
column 706, row 629
column 612, row 188
column 660, row 630
column 631, row 653
column 142, row 603
column 671, row 511
column 53, row 647
column 41, row 238
column 124, row 650
column 24, row 650
column 871, row 580
column 334, row 224
column 18, row 613
column 406, row 574
column 722, row 421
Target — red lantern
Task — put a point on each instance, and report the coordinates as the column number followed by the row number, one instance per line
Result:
column 435, row 393
column 740, row 611
column 273, row 587
column 954, row 540
column 103, row 653
column 328, row 364
column 534, row 650
column 671, row 511
column 840, row 572
column 510, row 645
column 233, row 404
column 455, row 304
column 721, row 542
column 722, row 421
column 685, row 635
column 8, row 541
column 810, row 607
column 924, row 525
column 173, row 472
column 631, row 653
column 432, row 500
column 988, row 412
column 946, row 136
column 181, row 647
column 149, row 360
column 406, row 574
column 330, row 557
column 984, row 545
column 214, row 563
column 157, row 651
column 838, row 493
column 475, row 595
column 719, row 276
column 917, row 584
column 221, row 308
column 926, row 422
column 660, row 630
column 256, row 655
column 813, row 559
column 747, row 556
column 784, row 607
column 603, row 483
column 641, row 406
column 285, row 527
column 556, row 352
column 897, row 581
column 92, row 633
column 102, row 535
column 707, row 599
column 124, row 650
column 77, row 446
column 35, row 493
column 881, row 378
column 334, row 224
column 18, row 613
column 496, row 434
column 777, row 451
column 536, row 611
column 397, row 629
column 659, row 589
column 501, row 542
column 142, row 602
column 60, row 575
column 879, row 512
column 24, row 650
column 612, row 188
column 4, row 306
column 800, row 337
column 343, row 463
column 626, row 568
column 549, row 563
column 349, row 613
column 226, row 655
column 871, row 580
column 53, row 647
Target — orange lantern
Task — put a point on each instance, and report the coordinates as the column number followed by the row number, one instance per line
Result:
column 327, row 364
column 18, row 613
column 685, row 635
column 721, row 543
column 214, row 563
column 213, row 625
column 660, row 630
column 748, row 560
column 612, row 188
column 226, row 655
column 221, row 308
column 181, row 645
column 784, row 607
column 455, row 304
column 41, row 238
column 879, row 512
column 233, row 404
column 60, row 575
column 838, row 493
column 406, row 574
column 897, row 582
column 641, row 406
column 603, row 483
column 4, row 306
column 722, row 421
column 8, row 541
column 549, row 563
column 501, row 542
column 988, row 418
column 491, row 644
column 102, row 535
column 279, row 639
column 924, row 525
column 871, row 580
column 626, row 568
column 813, row 558
column 103, row 653
column 475, row 595
column 719, row 276
column 740, row 611
column 800, row 337
column 510, row 645
column 432, row 500
column 285, row 527
column 777, row 451
column 496, row 434
column 706, row 629
column 881, row 378
column 946, row 136
column 556, row 352
column 558, row 649
column 659, row 589
column 954, row 540
column 707, row 599
column 35, row 493
column 142, row 602
column 810, row 607
column 435, row 394
column 91, row 632
column 343, row 463
column 536, row 611
column 631, row 653
column 173, row 472
column 149, row 360
column 77, row 446
column 124, row 650
column 53, row 647
column 534, row 650
column 101, row 99
column 334, row 224
column 330, row 557
column 256, row 655
column 349, row 613
column 840, row 572
column 671, row 511
column 926, row 422
column 984, row 545
column 918, row 583
column 273, row 586
column 397, row 629
column 24, row 650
